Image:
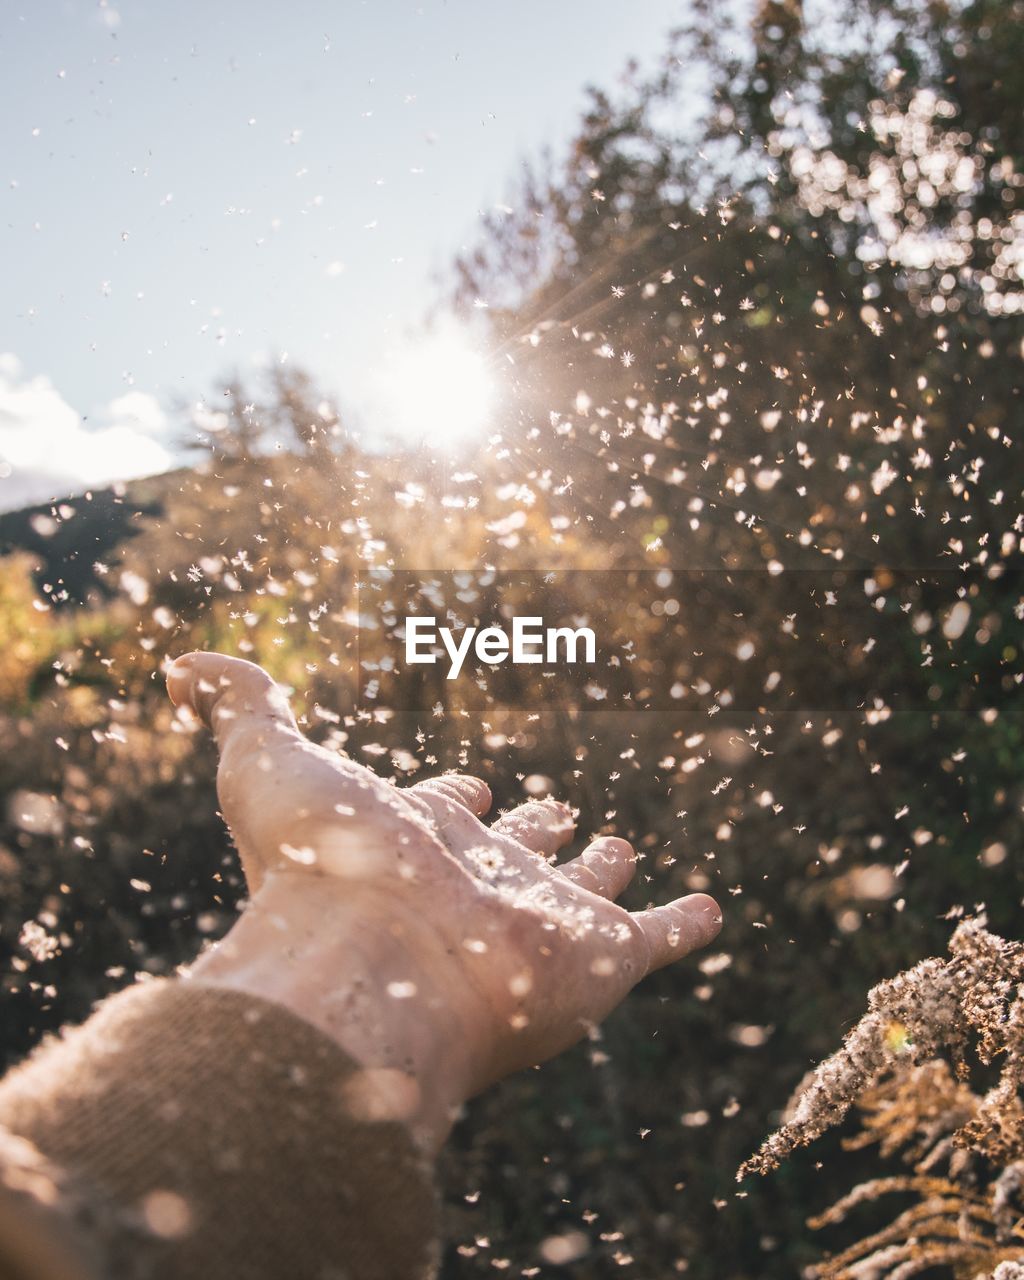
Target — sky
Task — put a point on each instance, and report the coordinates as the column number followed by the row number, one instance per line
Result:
column 195, row 188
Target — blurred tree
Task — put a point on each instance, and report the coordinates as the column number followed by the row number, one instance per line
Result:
column 231, row 430
column 303, row 419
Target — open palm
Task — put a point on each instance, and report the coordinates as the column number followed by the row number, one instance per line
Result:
column 522, row 955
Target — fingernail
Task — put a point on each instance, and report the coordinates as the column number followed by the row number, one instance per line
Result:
column 614, row 844
column 709, row 914
column 178, row 678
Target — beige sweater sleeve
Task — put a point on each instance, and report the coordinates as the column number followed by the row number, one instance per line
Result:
column 187, row 1131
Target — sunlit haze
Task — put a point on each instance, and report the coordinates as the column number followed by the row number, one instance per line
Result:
column 436, row 389
column 192, row 191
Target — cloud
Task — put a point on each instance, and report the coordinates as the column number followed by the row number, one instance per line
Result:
column 47, row 449
column 139, row 411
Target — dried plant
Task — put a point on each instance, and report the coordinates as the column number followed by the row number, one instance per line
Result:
column 910, row 1066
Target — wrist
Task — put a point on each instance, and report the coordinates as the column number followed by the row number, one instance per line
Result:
column 372, row 974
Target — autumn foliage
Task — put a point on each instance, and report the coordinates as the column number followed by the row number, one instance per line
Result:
column 758, row 340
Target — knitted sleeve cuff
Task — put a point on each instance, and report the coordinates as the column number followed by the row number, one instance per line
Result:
column 213, row 1133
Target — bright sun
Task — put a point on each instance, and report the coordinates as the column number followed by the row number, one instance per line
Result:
column 437, row 389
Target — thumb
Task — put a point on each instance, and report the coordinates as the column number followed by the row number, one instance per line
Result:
column 235, row 699
column 679, row 927
column 256, row 734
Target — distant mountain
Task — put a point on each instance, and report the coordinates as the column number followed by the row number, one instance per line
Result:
column 71, row 536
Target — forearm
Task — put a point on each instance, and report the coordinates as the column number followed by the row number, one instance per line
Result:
column 374, row 977
column 207, row 1132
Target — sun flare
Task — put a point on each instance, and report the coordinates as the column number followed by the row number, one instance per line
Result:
column 437, row 389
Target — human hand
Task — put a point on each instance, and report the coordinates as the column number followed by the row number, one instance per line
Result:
column 441, row 954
